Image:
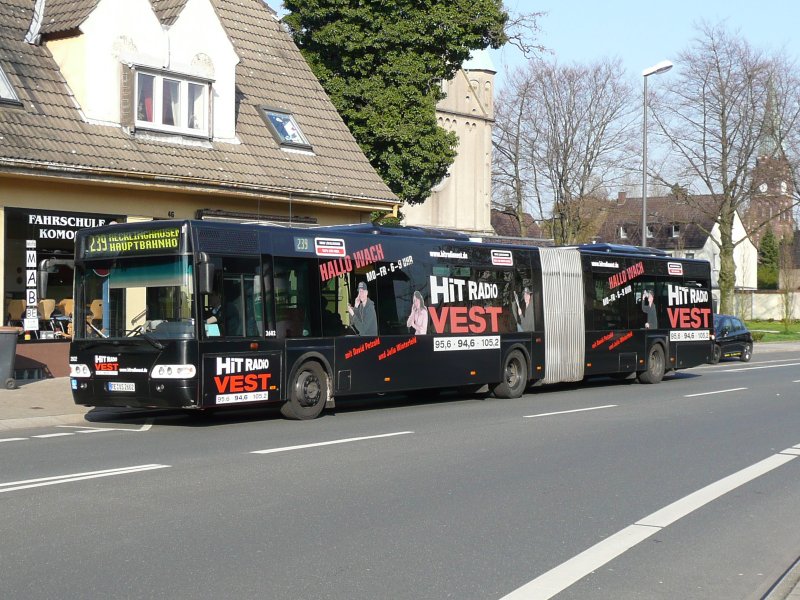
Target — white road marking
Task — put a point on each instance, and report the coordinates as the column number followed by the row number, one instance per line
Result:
column 564, row 575
column 13, row 439
column 794, row 364
column 13, row 486
column 717, row 392
column 49, row 435
column 332, row 442
column 564, row 412
column 148, row 424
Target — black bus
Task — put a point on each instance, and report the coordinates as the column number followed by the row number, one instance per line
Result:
column 201, row 314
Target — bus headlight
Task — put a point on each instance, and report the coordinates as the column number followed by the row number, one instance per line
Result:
column 76, row 370
column 173, row 372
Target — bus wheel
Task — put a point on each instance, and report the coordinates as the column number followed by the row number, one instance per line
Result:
column 716, row 354
column 655, row 366
column 308, row 392
column 515, row 378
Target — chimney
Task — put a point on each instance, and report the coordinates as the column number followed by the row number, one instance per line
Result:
column 621, row 198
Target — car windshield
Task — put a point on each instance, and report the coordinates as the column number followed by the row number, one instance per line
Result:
column 129, row 297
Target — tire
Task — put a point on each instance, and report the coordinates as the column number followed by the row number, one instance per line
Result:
column 515, row 376
column 655, row 365
column 716, row 354
column 747, row 353
column 11, row 383
column 308, row 392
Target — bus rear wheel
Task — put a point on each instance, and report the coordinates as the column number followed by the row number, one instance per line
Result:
column 515, row 376
column 655, row 365
column 308, row 392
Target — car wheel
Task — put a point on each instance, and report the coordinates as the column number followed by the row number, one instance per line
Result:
column 747, row 353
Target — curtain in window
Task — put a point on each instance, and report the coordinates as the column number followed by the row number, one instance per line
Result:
column 144, row 99
column 171, row 102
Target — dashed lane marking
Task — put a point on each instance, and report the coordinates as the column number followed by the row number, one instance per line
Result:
column 715, row 392
column 330, row 443
column 564, row 412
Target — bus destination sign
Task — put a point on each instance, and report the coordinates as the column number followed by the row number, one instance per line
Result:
column 120, row 243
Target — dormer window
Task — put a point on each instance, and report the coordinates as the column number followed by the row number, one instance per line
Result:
column 623, row 232
column 284, row 128
column 676, row 230
column 172, row 103
column 651, row 231
column 7, row 94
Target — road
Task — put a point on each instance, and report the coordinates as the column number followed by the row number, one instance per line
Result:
column 685, row 489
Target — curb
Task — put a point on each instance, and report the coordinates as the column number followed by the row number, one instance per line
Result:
column 43, row 421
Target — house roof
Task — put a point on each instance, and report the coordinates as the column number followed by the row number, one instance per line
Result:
column 662, row 213
column 47, row 133
column 504, row 223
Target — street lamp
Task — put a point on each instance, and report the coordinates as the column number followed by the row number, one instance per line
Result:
column 656, row 69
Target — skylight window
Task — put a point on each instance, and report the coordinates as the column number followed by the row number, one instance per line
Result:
column 284, row 128
column 7, row 93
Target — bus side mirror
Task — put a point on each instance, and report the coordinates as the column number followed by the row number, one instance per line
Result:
column 205, row 273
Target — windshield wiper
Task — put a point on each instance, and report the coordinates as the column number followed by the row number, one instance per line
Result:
column 139, row 332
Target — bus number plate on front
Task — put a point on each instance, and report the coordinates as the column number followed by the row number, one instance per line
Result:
column 121, row 386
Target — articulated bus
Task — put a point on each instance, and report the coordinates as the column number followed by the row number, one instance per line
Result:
column 204, row 315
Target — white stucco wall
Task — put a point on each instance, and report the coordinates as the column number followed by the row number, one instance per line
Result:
column 128, row 32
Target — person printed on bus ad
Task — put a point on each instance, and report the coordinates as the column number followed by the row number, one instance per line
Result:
column 418, row 319
column 649, row 308
column 525, row 310
column 362, row 314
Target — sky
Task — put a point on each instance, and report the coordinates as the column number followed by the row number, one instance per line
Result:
column 643, row 33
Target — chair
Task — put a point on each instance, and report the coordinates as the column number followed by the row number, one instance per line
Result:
column 95, row 312
column 16, row 312
column 64, row 320
column 66, row 307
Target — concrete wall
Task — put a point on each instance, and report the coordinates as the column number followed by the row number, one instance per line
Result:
column 766, row 305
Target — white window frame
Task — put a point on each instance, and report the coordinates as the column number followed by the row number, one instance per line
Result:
column 623, row 232
column 7, row 93
column 651, row 231
column 182, row 125
column 676, row 230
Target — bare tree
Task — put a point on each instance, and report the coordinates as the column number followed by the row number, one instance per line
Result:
column 562, row 133
column 713, row 116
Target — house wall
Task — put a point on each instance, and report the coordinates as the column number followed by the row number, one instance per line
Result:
column 127, row 32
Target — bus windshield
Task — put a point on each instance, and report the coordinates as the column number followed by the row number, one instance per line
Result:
column 134, row 296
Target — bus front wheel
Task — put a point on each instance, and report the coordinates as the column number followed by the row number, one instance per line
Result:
column 515, row 376
column 308, row 392
column 655, row 365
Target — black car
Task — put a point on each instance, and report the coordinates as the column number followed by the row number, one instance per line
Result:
column 731, row 339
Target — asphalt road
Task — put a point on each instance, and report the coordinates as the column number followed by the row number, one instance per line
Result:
column 686, row 489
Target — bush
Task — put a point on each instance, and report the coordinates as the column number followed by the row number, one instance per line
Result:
column 757, row 335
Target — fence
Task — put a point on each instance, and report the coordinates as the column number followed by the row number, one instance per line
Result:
column 765, row 305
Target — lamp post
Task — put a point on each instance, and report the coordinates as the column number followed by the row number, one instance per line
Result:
column 656, row 69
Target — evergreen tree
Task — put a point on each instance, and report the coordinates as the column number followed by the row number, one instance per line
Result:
column 381, row 63
column 768, row 261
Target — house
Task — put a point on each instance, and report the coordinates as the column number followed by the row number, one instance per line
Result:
column 677, row 227
column 462, row 200
column 124, row 110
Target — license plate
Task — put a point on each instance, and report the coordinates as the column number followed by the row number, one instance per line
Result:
column 121, row 386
